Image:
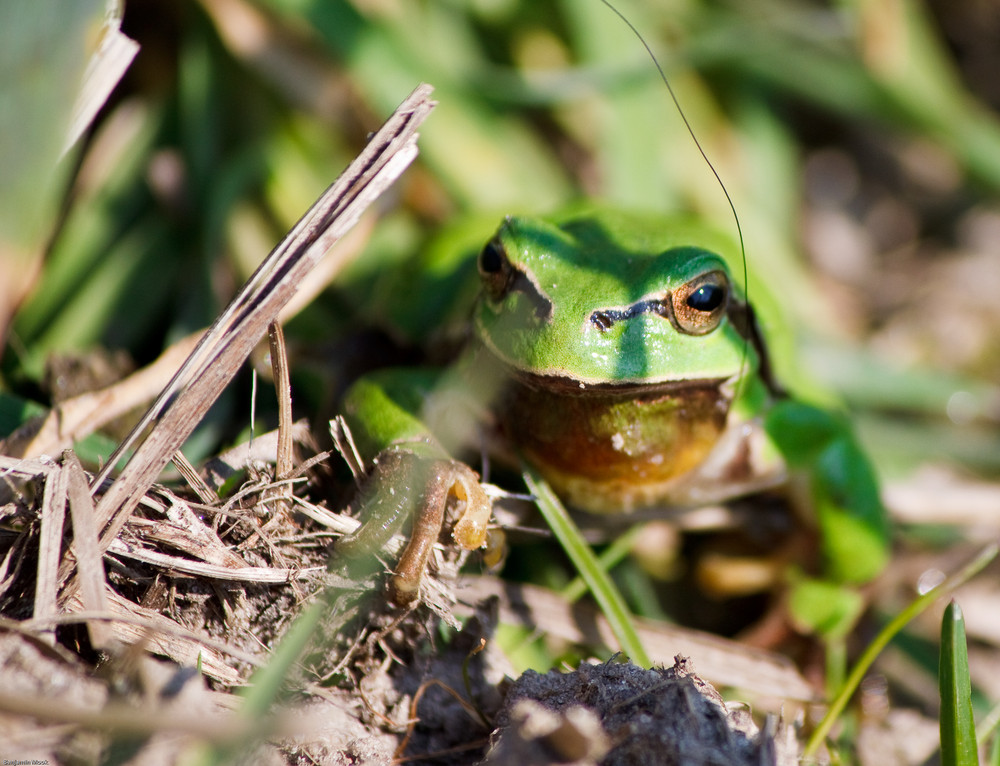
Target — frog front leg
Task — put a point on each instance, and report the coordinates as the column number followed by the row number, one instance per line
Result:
column 412, row 480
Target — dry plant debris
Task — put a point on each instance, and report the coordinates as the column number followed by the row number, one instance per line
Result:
column 98, row 575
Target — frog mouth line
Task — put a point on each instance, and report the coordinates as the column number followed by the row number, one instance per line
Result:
column 571, row 387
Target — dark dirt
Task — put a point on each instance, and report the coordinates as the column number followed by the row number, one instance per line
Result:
column 616, row 714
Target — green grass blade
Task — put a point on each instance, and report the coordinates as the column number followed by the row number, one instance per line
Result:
column 586, row 563
column 269, row 682
column 958, row 729
column 266, row 687
column 619, row 549
column 885, row 636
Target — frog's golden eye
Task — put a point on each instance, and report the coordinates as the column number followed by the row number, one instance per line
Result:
column 495, row 269
column 699, row 305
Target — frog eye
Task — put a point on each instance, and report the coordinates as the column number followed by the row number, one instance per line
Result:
column 495, row 269
column 699, row 305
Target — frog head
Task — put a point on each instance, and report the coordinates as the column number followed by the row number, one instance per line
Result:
column 607, row 298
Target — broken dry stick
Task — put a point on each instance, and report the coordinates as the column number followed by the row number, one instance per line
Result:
column 228, row 343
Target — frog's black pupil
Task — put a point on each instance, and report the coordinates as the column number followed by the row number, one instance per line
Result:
column 706, row 298
column 491, row 259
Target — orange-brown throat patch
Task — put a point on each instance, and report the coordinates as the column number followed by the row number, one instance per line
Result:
column 613, row 448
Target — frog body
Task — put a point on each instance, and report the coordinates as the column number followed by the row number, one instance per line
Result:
column 617, row 389
column 614, row 352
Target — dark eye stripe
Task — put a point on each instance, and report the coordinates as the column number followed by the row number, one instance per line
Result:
column 604, row 319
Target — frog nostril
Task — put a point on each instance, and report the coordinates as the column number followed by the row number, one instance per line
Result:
column 602, row 320
column 492, row 258
column 495, row 270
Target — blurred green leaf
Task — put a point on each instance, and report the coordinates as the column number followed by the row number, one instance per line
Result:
column 15, row 412
column 44, row 47
column 854, row 528
column 824, row 608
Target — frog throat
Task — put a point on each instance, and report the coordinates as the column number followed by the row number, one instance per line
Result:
column 612, row 446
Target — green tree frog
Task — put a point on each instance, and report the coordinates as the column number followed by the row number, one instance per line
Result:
column 615, row 353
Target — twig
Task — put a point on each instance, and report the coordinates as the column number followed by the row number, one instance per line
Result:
column 73, row 419
column 50, row 548
column 106, row 67
column 90, row 565
column 283, row 389
column 227, row 344
column 80, row 416
column 159, row 626
column 194, row 480
column 248, row 574
column 281, row 495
